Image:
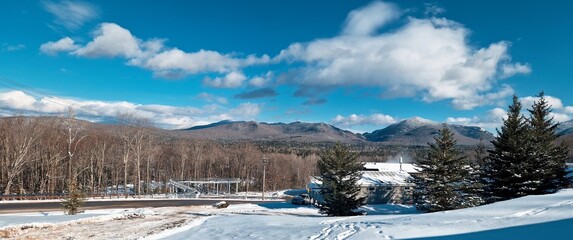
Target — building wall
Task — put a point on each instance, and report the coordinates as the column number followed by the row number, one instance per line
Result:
column 398, row 194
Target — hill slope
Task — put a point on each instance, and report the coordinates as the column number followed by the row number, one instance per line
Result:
column 254, row 131
column 411, row 132
column 418, row 131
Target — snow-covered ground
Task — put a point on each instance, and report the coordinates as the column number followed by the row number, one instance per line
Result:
column 531, row 217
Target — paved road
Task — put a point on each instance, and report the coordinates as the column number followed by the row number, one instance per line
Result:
column 17, row 207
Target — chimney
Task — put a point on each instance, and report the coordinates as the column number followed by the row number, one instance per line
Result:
column 400, row 164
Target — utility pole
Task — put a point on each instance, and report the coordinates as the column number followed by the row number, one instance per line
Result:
column 265, row 162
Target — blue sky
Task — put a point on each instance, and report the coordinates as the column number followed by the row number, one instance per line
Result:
column 359, row 65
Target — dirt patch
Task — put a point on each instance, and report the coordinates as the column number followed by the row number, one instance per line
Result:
column 133, row 224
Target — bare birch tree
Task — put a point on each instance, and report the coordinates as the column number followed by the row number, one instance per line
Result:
column 73, row 129
column 19, row 134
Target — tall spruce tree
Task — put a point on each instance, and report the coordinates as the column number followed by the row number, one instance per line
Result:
column 339, row 173
column 549, row 171
column 445, row 177
column 478, row 164
column 507, row 169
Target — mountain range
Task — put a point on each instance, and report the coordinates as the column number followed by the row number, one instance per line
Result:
column 411, row 132
column 565, row 128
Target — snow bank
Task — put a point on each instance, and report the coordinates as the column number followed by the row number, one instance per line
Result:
column 531, row 217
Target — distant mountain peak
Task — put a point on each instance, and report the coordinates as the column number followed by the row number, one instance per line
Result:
column 565, row 127
column 420, row 131
column 419, row 121
column 258, row 131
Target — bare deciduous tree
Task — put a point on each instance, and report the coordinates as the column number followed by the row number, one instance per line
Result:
column 18, row 136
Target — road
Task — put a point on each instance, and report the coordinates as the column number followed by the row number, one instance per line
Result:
column 39, row 206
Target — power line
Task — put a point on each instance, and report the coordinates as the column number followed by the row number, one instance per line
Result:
column 43, row 95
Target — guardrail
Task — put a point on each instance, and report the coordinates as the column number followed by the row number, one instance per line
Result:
column 50, row 197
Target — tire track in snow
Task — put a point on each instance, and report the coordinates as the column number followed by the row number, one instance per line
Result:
column 351, row 230
column 325, row 232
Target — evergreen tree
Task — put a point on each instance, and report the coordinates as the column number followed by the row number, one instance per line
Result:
column 507, row 169
column 444, row 178
column 478, row 164
column 339, row 173
column 73, row 202
column 549, row 171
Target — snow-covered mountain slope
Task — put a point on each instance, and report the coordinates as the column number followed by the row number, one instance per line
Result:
column 419, row 131
column 565, row 128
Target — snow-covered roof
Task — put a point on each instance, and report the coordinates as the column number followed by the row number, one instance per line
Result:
column 372, row 178
column 383, row 178
column 390, row 167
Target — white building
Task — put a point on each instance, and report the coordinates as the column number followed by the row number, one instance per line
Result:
column 381, row 183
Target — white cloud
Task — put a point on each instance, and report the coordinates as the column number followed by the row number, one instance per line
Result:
column 367, row 20
column 376, row 119
column 246, row 110
column 494, row 118
column 431, row 9
column 497, row 98
column 428, row 58
column 12, row 48
column 169, row 117
column 63, row 45
column 560, row 117
column 508, row 70
column 261, row 81
column 111, row 40
column 17, row 100
column 554, row 102
column 560, row 112
column 71, row 14
column 201, row 61
column 212, row 98
column 231, row 80
column 497, row 114
column 490, row 121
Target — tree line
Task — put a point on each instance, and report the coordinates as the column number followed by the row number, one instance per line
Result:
column 57, row 155
column 526, row 159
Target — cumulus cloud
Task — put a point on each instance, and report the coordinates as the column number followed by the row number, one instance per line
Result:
column 112, row 40
column 246, row 110
column 554, row 102
column 231, row 80
column 367, row 20
column 494, row 118
column 71, row 14
column 376, row 119
column 257, row 93
column 560, row 117
column 63, row 45
column 430, row 58
column 508, row 70
column 560, row 112
column 490, row 121
column 262, row 80
column 164, row 116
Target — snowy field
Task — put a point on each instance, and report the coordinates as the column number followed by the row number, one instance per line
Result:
column 531, row 217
